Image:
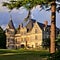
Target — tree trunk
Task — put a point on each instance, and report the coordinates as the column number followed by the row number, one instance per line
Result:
column 53, row 27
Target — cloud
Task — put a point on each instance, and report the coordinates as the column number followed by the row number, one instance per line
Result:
column 32, row 16
column 3, row 27
column 3, row 9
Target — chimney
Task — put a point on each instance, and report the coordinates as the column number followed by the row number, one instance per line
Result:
column 45, row 23
column 20, row 26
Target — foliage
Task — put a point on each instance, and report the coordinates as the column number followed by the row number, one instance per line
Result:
column 55, row 56
column 46, row 43
column 58, row 42
column 2, row 38
column 29, row 4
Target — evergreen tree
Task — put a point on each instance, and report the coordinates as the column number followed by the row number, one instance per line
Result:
column 2, row 38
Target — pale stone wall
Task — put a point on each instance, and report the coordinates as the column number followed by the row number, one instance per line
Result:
column 33, row 39
column 10, row 38
column 30, row 39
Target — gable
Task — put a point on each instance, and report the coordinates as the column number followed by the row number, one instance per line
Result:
column 36, row 28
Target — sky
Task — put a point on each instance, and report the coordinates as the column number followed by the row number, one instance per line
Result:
column 19, row 15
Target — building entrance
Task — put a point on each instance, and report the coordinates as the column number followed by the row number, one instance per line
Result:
column 22, row 46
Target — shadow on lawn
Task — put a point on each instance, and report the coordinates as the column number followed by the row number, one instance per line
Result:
column 28, row 55
column 22, row 57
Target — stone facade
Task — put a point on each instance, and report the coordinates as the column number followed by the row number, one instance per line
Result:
column 29, row 36
column 10, row 35
column 23, row 36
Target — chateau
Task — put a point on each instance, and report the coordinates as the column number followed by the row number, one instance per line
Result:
column 32, row 35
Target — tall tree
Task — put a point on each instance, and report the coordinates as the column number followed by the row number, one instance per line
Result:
column 29, row 4
column 2, row 38
column 53, row 27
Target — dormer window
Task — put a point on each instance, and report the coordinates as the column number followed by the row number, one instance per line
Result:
column 27, row 30
column 7, row 30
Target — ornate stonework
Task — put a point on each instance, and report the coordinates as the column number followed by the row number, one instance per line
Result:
column 30, row 36
column 23, row 36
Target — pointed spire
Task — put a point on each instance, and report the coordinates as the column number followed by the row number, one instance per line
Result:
column 11, row 25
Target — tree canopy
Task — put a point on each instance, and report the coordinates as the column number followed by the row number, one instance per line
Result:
column 29, row 4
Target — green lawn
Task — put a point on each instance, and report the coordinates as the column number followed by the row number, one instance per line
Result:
column 23, row 54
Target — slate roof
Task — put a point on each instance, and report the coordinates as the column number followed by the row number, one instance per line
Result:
column 11, row 25
column 31, row 24
column 41, row 25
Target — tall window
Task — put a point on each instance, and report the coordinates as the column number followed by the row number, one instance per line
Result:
column 8, row 39
column 24, row 39
column 36, row 37
column 35, row 30
column 7, row 30
column 36, row 44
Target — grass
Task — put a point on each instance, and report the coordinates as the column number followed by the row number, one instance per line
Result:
column 23, row 54
column 21, row 57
